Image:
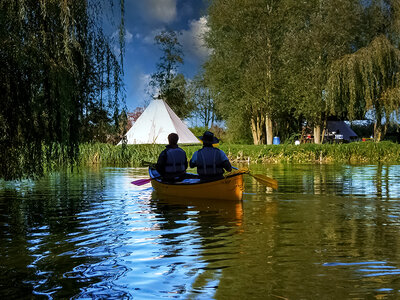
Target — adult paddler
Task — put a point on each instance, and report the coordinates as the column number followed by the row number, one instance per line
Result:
column 209, row 160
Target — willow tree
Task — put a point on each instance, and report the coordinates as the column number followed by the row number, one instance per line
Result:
column 59, row 70
column 245, row 37
column 367, row 81
column 321, row 32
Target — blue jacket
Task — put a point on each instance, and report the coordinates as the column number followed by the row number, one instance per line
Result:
column 210, row 162
column 172, row 162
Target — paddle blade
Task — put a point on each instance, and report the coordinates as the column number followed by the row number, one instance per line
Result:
column 265, row 180
column 141, row 181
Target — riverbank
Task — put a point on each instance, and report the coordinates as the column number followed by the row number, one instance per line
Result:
column 357, row 152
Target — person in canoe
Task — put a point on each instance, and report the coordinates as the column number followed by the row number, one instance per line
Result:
column 210, row 161
column 172, row 162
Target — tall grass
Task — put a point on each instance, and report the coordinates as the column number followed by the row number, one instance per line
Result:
column 358, row 152
column 122, row 155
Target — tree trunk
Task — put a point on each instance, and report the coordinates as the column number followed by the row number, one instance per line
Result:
column 268, row 129
column 323, row 135
column 378, row 131
column 317, row 134
column 323, row 131
column 255, row 131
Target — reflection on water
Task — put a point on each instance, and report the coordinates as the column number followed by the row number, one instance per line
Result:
column 329, row 232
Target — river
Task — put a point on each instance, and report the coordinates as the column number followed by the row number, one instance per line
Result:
column 328, row 232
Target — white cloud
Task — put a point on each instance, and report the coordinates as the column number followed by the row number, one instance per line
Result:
column 149, row 38
column 140, row 84
column 193, row 39
column 160, row 10
column 128, row 36
column 115, row 37
column 115, row 42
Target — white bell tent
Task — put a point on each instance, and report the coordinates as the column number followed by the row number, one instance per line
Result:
column 156, row 123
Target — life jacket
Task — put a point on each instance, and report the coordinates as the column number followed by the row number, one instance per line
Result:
column 209, row 162
column 175, row 162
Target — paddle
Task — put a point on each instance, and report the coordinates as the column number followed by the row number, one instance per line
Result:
column 263, row 179
column 140, row 182
column 143, row 181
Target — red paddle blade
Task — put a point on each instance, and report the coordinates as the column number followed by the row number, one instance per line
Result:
column 141, row 181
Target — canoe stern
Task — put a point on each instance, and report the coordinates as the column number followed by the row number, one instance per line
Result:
column 230, row 188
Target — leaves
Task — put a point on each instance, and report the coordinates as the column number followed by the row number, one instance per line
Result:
column 243, row 68
column 367, row 79
column 301, row 61
column 60, row 79
column 170, row 85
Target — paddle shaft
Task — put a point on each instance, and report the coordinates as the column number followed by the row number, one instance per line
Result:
column 263, row 179
column 143, row 181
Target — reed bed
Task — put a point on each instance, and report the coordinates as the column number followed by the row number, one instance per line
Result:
column 357, row 152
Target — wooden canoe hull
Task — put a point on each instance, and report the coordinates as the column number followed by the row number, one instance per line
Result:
column 230, row 188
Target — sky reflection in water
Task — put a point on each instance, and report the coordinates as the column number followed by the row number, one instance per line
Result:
column 328, row 231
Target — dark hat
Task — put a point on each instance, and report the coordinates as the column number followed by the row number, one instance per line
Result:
column 208, row 137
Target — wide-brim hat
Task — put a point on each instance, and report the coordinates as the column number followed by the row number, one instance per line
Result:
column 208, row 137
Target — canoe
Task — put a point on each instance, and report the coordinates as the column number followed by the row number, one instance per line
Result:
column 229, row 188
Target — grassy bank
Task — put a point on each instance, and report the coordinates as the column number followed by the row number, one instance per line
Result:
column 360, row 152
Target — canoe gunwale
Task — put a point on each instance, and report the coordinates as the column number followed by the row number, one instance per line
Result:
column 229, row 188
column 240, row 172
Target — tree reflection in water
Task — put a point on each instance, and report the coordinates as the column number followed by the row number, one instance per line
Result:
column 328, row 230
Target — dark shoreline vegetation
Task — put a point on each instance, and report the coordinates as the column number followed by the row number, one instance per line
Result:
column 104, row 154
column 280, row 68
column 357, row 152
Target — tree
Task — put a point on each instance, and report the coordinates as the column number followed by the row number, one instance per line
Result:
column 245, row 38
column 50, row 81
column 368, row 80
column 171, row 85
column 133, row 116
column 321, row 32
column 203, row 102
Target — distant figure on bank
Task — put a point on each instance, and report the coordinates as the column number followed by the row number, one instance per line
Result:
column 172, row 162
column 210, row 161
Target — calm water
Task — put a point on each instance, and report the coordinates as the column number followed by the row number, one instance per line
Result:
column 329, row 232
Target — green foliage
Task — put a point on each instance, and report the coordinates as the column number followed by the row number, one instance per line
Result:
column 243, row 68
column 367, row 80
column 60, row 81
column 202, row 100
column 301, row 61
column 170, row 85
column 270, row 58
column 198, row 130
column 135, row 155
column 219, row 132
column 363, row 130
column 176, row 95
column 238, row 132
column 357, row 152
column 319, row 33
column 122, row 155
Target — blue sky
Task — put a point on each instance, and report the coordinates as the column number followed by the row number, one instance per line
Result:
column 144, row 19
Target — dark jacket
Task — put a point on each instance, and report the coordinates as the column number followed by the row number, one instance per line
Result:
column 210, row 162
column 172, row 162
